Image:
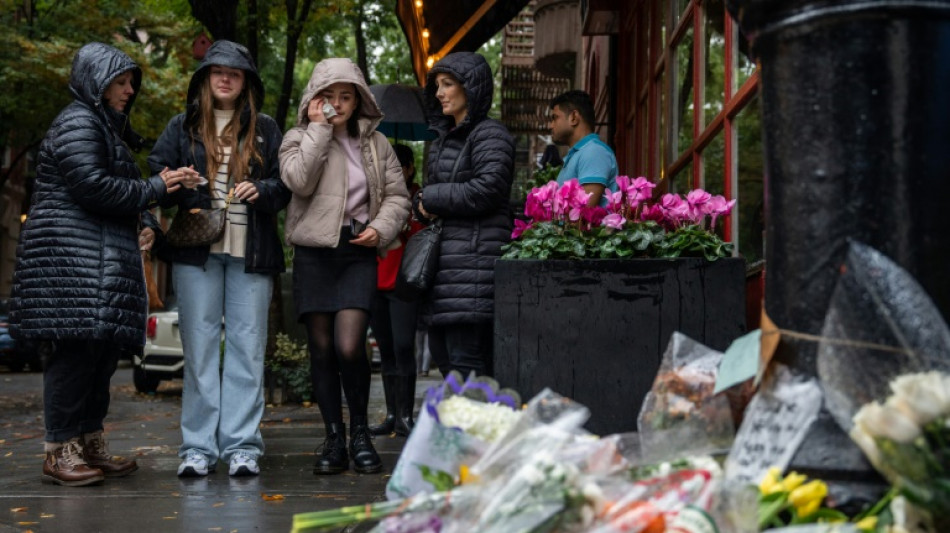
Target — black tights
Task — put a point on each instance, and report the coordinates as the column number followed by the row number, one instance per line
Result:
column 337, row 344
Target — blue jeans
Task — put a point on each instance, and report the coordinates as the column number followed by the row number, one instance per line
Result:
column 222, row 398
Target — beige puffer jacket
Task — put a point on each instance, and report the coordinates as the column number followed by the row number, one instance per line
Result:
column 313, row 166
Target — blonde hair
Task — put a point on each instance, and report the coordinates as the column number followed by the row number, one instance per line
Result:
column 242, row 151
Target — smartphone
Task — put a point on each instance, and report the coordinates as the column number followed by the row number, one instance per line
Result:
column 357, row 227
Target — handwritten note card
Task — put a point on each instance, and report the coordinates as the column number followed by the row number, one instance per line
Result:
column 774, row 426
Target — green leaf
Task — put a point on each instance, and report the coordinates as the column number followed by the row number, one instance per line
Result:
column 441, row 480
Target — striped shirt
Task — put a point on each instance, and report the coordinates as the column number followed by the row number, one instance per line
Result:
column 235, row 229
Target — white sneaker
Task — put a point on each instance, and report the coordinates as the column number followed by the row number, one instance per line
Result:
column 243, row 464
column 195, row 464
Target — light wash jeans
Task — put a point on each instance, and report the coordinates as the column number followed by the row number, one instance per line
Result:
column 222, row 399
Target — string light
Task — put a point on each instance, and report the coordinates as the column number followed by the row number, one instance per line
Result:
column 425, row 34
column 418, row 4
column 430, row 61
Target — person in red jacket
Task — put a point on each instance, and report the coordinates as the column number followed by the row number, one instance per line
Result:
column 394, row 325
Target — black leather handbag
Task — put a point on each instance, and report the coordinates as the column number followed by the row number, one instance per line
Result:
column 420, row 259
column 198, row 227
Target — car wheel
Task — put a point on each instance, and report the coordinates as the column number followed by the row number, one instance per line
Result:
column 143, row 381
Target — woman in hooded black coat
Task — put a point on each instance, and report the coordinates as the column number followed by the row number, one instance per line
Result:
column 79, row 286
column 473, row 206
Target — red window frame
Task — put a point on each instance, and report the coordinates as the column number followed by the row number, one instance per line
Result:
column 646, row 50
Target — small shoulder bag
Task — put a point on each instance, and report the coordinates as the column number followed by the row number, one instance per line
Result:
column 420, row 259
column 198, row 226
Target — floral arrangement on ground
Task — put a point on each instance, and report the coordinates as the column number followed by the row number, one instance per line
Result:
column 561, row 225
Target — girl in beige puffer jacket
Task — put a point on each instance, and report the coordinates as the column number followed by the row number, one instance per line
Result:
column 349, row 203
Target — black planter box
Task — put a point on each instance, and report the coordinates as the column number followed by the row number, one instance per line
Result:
column 595, row 330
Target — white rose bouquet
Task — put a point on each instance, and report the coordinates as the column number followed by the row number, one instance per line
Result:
column 457, row 423
column 907, row 439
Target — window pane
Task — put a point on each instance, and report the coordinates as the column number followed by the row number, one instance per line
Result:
column 745, row 66
column 662, row 134
column 664, row 21
column 714, row 164
column 715, row 48
column 682, row 181
column 643, row 120
column 750, row 192
column 683, row 93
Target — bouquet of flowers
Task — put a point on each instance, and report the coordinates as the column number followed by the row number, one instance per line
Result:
column 457, row 423
column 907, row 439
column 562, row 226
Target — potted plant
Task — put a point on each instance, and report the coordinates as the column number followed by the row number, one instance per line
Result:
column 586, row 298
column 287, row 373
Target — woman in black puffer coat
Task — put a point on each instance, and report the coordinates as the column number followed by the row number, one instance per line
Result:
column 79, row 285
column 473, row 206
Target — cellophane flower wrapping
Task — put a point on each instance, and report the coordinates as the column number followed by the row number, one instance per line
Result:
column 478, row 407
column 681, row 415
column 885, row 372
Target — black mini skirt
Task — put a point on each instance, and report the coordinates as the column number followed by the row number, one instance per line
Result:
column 327, row 280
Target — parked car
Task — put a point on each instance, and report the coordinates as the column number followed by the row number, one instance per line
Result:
column 162, row 357
column 13, row 354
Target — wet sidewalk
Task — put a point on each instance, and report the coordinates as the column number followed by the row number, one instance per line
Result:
column 154, row 498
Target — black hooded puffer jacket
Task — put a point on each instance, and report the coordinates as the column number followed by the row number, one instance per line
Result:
column 79, row 271
column 474, row 206
column 181, row 146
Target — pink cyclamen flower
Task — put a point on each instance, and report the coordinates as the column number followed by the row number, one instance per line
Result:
column 675, row 209
column 593, row 215
column 652, row 212
column 716, row 207
column 520, row 227
column 614, row 200
column 643, row 188
column 614, row 221
column 697, row 199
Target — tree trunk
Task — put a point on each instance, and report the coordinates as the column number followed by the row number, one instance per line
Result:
column 294, row 29
column 361, row 43
column 253, row 28
column 218, row 16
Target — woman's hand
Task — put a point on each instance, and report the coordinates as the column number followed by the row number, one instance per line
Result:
column 186, row 177
column 146, row 239
column 423, row 212
column 315, row 111
column 368, row 238
column 246, row 191
column 172, row 178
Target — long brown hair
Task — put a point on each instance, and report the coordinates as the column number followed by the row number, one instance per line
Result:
column 242, row 150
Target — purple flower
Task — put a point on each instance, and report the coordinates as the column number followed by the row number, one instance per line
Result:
column 614, row 221
column 520, row 227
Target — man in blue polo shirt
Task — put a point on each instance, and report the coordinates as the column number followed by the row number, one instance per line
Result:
column 589, row 160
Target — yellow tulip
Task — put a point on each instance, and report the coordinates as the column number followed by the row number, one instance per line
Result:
column 867, row 524
column 771, row 482
column 466, row 476
column 807, row 498
column 792, row 481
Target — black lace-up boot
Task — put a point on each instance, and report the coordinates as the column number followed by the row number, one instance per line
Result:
column 332, row 458
column 365, row 458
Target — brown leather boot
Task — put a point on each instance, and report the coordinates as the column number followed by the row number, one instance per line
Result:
column 96, row 453
column 65, row 466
